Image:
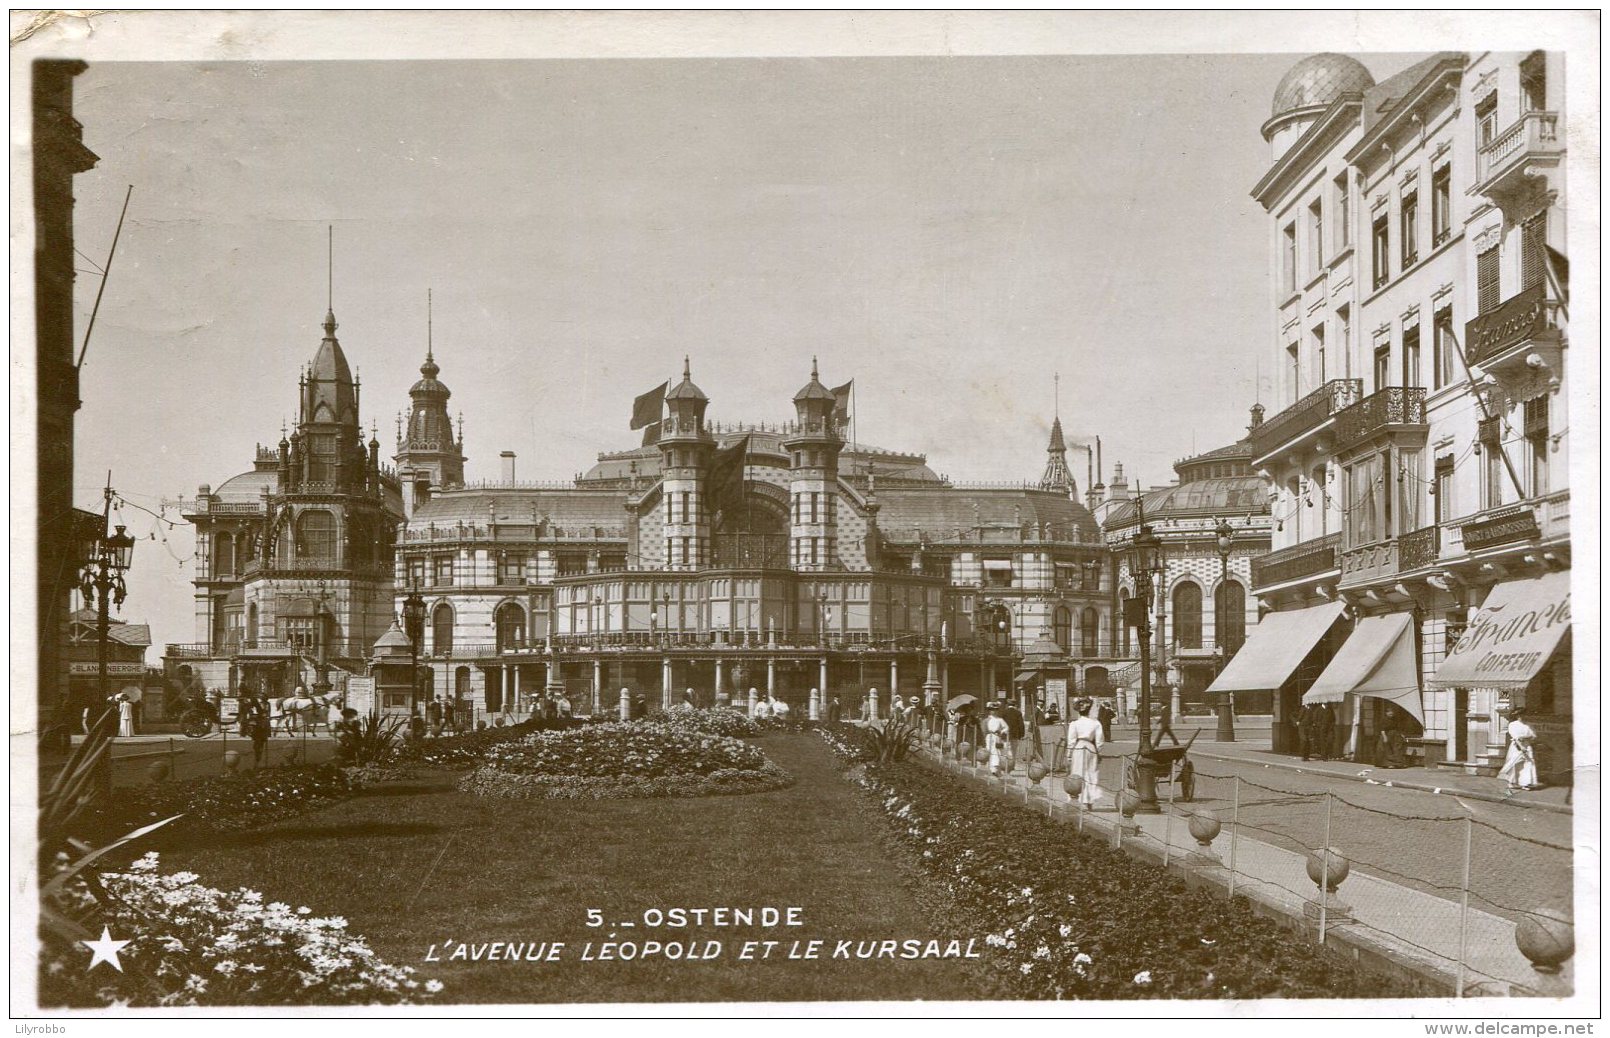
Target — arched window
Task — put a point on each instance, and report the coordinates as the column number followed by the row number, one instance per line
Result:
column 1089, row 631
column 1230, row 617
column 511, row 627
column 223, row 556
column 1188, row 615
column 315, row 536
column 441, row 630
column 1062, row 626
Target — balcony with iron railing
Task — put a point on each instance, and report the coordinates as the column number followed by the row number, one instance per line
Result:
column 1547, row 517
column 1501, row 163
column 322, row 566
column 1418, row 549
column 1304, row 417
column 1307, row 559
column 1395, row 409
column 335, row 649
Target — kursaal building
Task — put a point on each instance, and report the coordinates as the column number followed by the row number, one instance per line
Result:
column 1420, row 577
column 714, row 556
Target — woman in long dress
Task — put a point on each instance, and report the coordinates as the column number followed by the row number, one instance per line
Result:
column 1520, row 764
column 1084, row 753
column 125, row 717
column 996, row 735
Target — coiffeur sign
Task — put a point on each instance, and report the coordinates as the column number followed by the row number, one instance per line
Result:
column 1512, row 636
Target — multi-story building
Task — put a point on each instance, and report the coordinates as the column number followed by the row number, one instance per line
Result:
column 1201, row 607
column 1418, row 452
column 294, row 571
column 728, row 556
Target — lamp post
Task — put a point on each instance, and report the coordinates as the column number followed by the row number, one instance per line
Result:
column 321, row 659
column 107, row 558
column 414, row 627
column 1145, row 563
column 1224, row 540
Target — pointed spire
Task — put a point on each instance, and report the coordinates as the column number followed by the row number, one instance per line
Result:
column 329, row 274
column 813, row 368
column 687, row 369
column 430, row 369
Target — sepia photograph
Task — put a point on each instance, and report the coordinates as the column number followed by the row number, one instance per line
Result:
column 805, row 514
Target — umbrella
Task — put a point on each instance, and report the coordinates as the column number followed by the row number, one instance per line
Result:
column 957, row 702
column 134, row 692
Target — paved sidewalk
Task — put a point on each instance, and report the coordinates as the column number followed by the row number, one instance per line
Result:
column 1413, row 928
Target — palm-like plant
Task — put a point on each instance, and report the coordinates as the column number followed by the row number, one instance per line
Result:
column 891, row 742
column 375, row 741
column 65, row 858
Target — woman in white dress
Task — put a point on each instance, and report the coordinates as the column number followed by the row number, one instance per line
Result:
column 125, row 717
column 1520, row 764
column 779, row 709
column 997, row 733
column 1084, row 753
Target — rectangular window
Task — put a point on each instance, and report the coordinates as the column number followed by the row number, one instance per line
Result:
column 1288, row 258
column 1537, row 445
column 1344, row 232
column 1409, row 229
column 1383, row 367
column 1293, row 382
column 1365, row 503
column 1411, row 488
column 1534, row 83
column 416, row 572
column 1534, row 238
column 1487, row 280
column 1486, row 119
column 1316, row 235
column 1317, row 337
column 1380, row 249
column 1441, row 207
column 444, row 572
column 1444, row 488
column 1442, row 361
column 1411, row 356
column 511, row 569
column 1344, row 333
column 1493, row 467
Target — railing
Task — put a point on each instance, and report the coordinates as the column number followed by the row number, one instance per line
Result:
column 1306, row 414
column 1301, row 560
column 1533, row 133
column 234, row 508
column 1370, row 561
column 318, row 566
column 1419, row 548
column 1381, row 411
column 335, row 649
column 830, row 430
column 516, row 531
column 1505, row 525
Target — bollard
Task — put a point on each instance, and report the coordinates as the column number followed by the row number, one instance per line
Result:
column 1168, row 826
column 1235, row 829
column 1204, row 827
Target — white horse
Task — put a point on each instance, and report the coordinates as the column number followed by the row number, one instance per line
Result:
column 298, row 711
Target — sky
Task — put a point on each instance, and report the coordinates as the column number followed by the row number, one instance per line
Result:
column 951, row 233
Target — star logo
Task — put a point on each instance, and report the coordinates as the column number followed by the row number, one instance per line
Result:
column 106, row 950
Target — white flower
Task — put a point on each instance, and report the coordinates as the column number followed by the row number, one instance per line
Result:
column 1064, row 929
column 1143, row 977
column 1042, row 952
column 1025, row 968
column 433, row 986
column 1027, row 891
column 1082, row 959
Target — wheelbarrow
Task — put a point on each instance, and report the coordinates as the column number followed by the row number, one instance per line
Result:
column 1171, row 766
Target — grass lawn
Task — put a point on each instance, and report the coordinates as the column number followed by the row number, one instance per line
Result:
column 412, row 866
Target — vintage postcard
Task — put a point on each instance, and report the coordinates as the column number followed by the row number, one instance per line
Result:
column 806, row 514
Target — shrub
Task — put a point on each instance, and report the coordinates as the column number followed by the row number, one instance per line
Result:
column 191, row 945
column 376, row 741
column 889, row 743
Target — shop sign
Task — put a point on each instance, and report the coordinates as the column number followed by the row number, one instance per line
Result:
column 1517, row 320
column 79, row 669
column 1501, row 530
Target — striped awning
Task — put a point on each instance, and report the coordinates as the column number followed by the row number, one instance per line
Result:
column 1511, row 636
column 1275, row 648
column 1376, row 660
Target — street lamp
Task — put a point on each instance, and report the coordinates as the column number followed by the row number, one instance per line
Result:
column 1224, row 540
column 414, row 627
column 1145, row 562
column 108, row 557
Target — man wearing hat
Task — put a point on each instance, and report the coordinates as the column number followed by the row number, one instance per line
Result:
column 1016, row 728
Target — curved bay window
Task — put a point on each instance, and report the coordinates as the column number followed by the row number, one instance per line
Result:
column 1089, row 631
column 1188, row 615
column 315, row 536
column 1230, row 617
column 1062, row 628
column 511, row 627
column 441, row 630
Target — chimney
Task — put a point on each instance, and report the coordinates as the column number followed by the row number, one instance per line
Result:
column 508, row 467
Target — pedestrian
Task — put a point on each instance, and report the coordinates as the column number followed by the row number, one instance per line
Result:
column 1520, row 763
column 762, row 709
column 1324, row 730
column 1017, row 728
column 450, row 715
column 332, row 713
column 1085, row 739
column 997, row 736
column 897, row 710
column 257, row 728
column 779, row 709
column 1305, row 730
column 833, row 710
column 1165, row 722
column 1105, row 717
column 433, row 713
column 348, row 735
column 125, row 716
column 1053, row 715
column 564, row 708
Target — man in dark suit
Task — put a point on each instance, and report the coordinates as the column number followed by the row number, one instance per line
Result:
column 1325, row 731
column 1305, row 730
column 1105, row 715
column 1016, row 729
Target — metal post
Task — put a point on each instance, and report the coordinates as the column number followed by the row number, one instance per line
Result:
column 1168, row 825
column 1235, row 822
column 1464, row 913
column 1324, row 873
column 223, row 731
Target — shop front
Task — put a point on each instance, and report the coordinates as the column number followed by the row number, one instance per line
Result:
column 1284, row 654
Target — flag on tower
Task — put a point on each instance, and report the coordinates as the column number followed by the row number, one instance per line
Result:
column 841, row 400
column 651, row 434
column 646, row 409
column 726, row 470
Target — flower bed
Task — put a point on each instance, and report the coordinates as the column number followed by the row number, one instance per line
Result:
column 466, row 750
column 192, row 945
column 623, row 759
column 221, row 804
column 1069, row 917
column 726, row 722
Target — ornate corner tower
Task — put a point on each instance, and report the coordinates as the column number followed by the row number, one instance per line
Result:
column 685, row 449
column 813, row 446
column 1057, row 475
column 428, row 455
